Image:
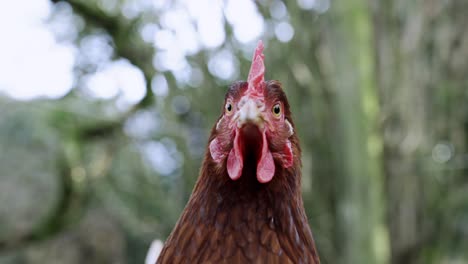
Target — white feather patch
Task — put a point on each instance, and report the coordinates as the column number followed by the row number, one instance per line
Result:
column 291, row 130
column 219, row 123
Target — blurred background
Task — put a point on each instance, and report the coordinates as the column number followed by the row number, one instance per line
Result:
column 106, row 106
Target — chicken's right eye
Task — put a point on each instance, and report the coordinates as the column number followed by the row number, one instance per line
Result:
column 276, row 110
column 228, row 108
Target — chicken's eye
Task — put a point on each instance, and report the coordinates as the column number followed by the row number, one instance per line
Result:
column 276, row 110
column 228, row 108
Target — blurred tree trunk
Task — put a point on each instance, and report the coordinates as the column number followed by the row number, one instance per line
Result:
column 417, row 45
column 401, row 81
column 348, row 43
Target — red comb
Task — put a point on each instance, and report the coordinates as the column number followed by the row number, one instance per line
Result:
column 257, row 70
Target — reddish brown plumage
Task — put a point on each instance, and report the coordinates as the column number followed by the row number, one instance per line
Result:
column 245, row 221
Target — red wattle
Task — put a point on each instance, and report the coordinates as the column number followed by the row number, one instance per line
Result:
column 265, row 165
column 235, row 162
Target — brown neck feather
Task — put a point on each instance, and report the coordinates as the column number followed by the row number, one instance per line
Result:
column 278, row 202
column 243, row 221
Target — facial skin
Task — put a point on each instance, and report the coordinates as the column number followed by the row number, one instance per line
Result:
column 254, row 124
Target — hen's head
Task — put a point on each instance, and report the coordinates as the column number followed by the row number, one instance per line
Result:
column 255, row 126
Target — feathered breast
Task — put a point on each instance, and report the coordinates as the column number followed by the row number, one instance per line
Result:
column 242, row 222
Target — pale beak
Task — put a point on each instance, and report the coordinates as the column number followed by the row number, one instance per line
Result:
column 249, row 112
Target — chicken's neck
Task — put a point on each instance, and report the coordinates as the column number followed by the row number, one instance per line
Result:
column 216, row 190
column 246, row 212
column 278, row 202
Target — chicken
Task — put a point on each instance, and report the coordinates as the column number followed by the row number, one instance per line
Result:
column 246, row 206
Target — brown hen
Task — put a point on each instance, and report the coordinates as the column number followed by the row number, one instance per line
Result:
column 246, row 206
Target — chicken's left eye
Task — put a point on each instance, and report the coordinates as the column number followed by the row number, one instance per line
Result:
column 228, row 108
column 276, row 110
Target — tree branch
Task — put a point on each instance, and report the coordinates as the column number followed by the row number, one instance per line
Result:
column 128, row 44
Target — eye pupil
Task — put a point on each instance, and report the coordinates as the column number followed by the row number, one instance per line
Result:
column 229, row 107
column 276, row 109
